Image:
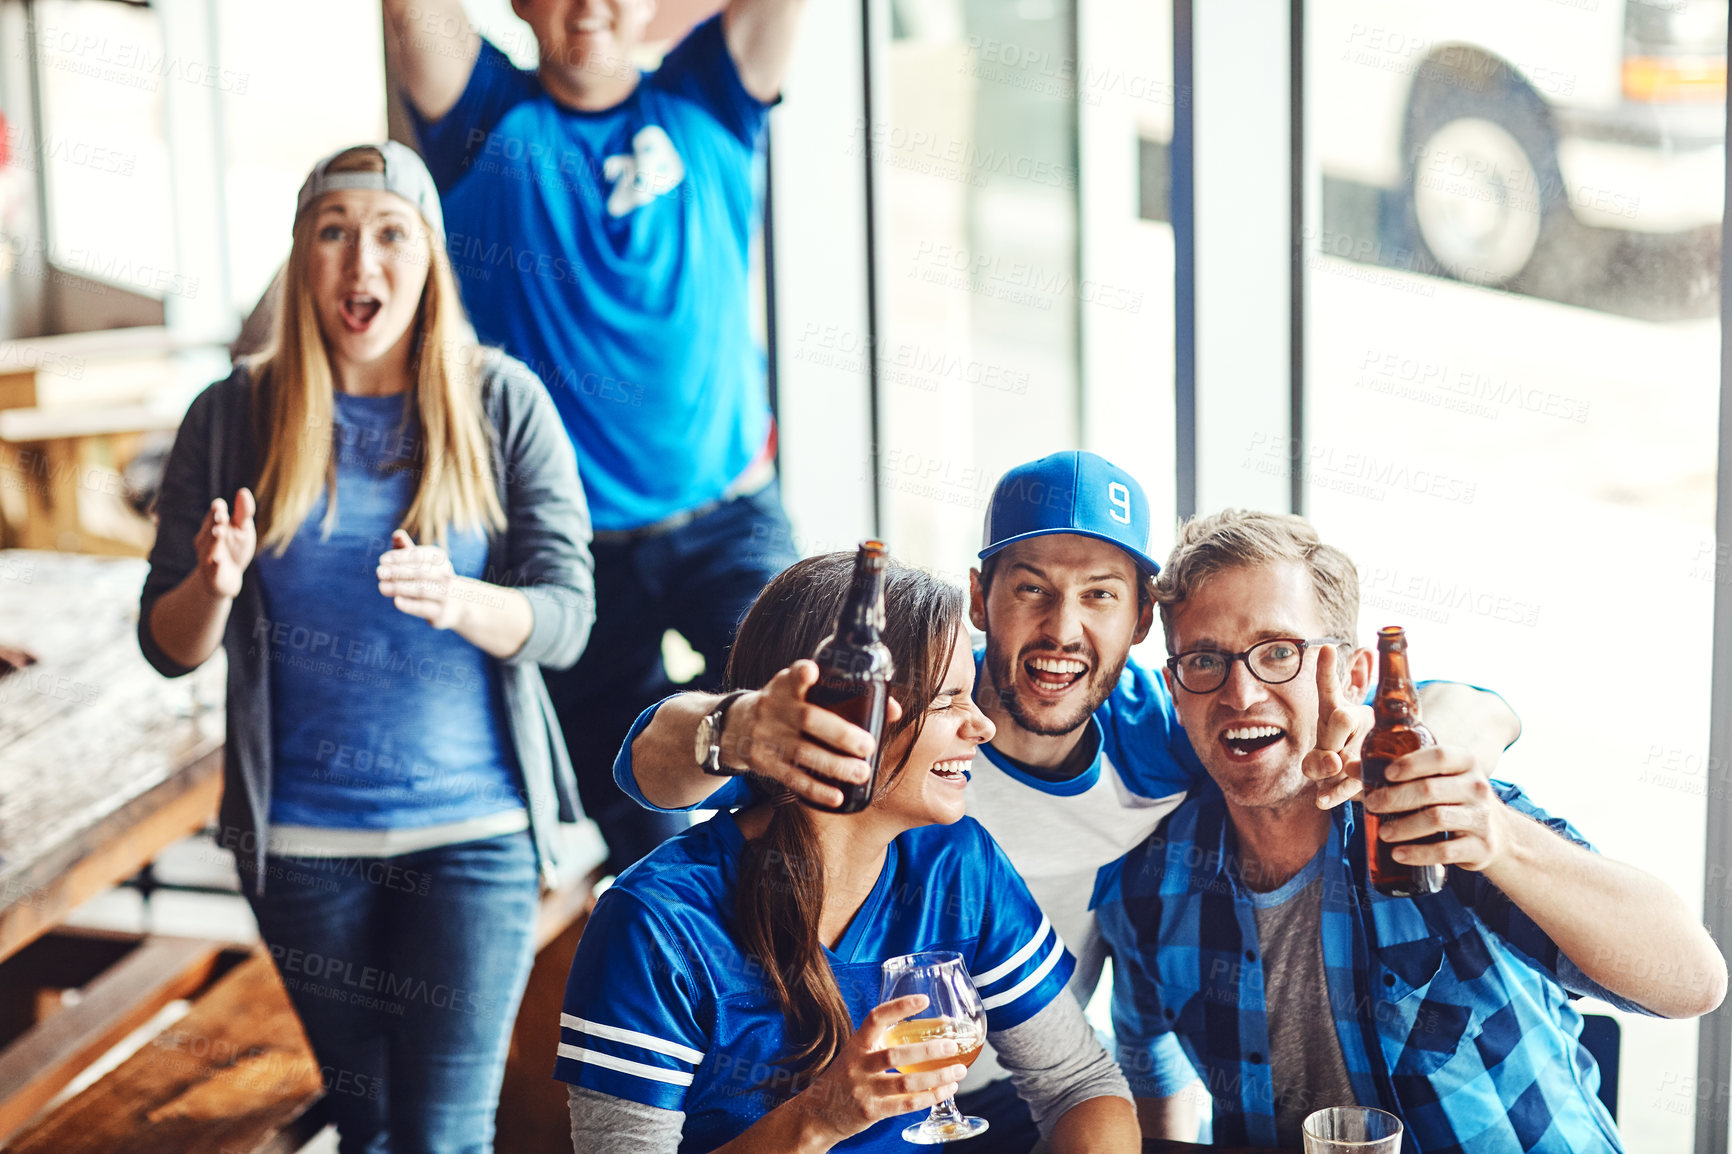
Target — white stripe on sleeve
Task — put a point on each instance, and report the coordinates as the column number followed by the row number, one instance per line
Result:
column 632, row 1038
column 653, row 1073
column 1029, row 982
column 1016, row 959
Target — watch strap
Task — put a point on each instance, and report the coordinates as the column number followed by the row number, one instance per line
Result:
column 718, row 718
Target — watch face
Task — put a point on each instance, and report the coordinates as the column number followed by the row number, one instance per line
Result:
column 701, row 748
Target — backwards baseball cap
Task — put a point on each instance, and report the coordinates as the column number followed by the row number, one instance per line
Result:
column 1071, row 492
column 404, row 175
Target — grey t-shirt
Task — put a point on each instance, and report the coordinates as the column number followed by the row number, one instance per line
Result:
column 1305, row 1059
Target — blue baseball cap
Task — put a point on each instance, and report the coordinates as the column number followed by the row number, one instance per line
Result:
column 1071, row 492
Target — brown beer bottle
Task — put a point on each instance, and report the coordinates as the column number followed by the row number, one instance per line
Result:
column 1396, row 732
column 854, row 666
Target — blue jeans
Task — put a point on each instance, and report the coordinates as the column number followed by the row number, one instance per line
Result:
column 698, row 579
column 407, row 972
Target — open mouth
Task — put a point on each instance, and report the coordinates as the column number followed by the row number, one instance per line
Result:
column 1245, row 740
column 1054, row 675
column 954, row 771
column 358, row 311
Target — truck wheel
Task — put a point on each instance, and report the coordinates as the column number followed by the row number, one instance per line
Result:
column 1484, row 193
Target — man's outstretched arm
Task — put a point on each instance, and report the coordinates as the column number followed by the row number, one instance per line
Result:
column 773, row 732
column 1622, row 927
column 760, row 36
column 433, row 48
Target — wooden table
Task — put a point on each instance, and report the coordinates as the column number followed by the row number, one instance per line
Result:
column 103, row 762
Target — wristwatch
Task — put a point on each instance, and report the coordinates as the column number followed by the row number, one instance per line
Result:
column 708, row 747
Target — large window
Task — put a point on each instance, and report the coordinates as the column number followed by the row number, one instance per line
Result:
column 173, row 139
column 977, row 359
column 279, row 115
column 104, row 78
column 1512, row 384
column 1025, row 280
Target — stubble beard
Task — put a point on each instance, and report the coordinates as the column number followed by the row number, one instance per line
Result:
column 1003, row 674
column 1280, row 793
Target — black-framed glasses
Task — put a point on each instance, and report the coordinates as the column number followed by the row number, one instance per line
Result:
column 1273, row 662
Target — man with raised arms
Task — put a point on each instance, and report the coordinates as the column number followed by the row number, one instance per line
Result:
column 600, row 223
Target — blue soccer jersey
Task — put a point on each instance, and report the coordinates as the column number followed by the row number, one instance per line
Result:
column 665, row 1009
column 608, row 251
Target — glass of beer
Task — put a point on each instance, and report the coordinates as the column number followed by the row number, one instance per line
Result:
column 1352, row 1130
column 953, row 1014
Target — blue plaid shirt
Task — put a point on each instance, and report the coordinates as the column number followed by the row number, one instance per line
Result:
column 1453, row 1010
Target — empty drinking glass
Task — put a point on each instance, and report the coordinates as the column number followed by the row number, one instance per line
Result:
column 1352, row 1130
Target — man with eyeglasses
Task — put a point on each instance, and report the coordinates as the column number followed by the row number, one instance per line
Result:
column 1245, row 927
column 1088, row 756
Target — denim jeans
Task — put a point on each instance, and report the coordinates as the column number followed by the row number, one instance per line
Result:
column 698, row 579
column 407, row 972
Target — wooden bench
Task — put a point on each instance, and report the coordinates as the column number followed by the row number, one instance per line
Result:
column 114, row 985
column 233, row 1076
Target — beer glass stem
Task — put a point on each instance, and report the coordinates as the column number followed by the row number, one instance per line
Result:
column 945, row 1113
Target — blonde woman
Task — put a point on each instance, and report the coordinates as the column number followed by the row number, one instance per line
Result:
column 407, row 542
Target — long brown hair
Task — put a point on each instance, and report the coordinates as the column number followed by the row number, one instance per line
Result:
column 457, row 486
column 781, row 886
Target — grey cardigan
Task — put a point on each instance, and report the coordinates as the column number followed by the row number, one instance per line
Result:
column 543, row 552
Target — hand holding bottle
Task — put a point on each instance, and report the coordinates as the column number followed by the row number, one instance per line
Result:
column 776, row 733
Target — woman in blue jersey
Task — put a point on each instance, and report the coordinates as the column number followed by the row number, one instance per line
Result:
column 724, row 994
column 417, row 545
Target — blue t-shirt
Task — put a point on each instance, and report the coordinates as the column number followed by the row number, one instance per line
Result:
column 608, row 251
column 378, row 720
column 665, row 1009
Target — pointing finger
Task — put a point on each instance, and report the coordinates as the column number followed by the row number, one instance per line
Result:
column 1329, row 698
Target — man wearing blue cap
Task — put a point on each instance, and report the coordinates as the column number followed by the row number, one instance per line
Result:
column 1089, row 755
